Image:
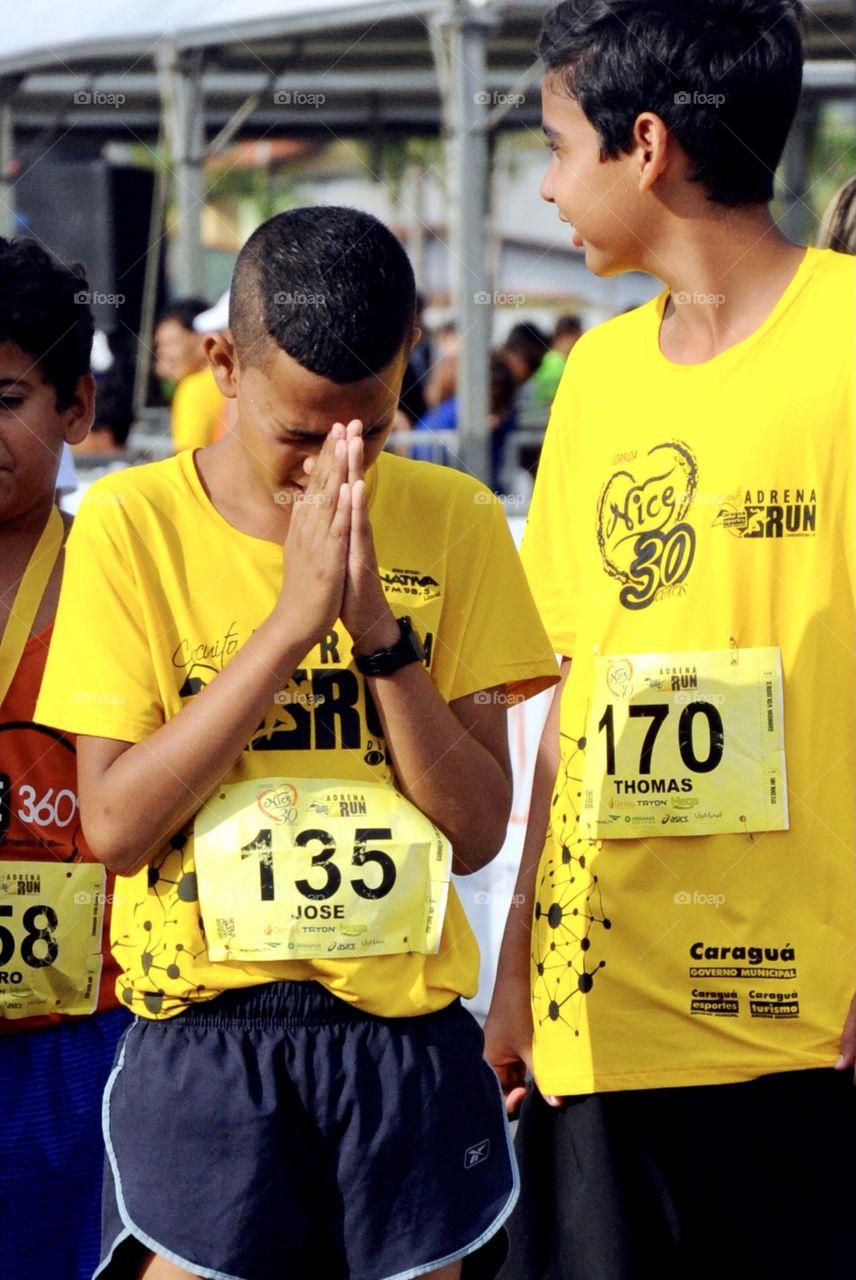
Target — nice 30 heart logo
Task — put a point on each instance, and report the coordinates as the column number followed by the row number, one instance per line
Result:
column 642, row 533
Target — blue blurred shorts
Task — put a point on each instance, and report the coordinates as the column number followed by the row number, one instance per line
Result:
column 277, row 1132
column 51, row 1148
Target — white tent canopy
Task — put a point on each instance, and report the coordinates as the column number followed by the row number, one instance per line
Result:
column 51, row 32
column 101, row 28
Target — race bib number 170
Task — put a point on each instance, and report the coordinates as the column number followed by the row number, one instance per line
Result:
column 685, row 744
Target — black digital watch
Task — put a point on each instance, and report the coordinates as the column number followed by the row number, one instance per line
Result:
column 384, row 662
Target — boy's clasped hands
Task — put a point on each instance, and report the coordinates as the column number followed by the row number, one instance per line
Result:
column 331, row 569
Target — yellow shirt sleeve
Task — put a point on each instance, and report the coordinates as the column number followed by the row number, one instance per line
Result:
column 99, row 672
column 197, row 408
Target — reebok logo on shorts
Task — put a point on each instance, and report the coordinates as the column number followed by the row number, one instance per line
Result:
column 477, row 1154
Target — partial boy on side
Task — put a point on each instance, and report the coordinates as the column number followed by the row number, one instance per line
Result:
column 59, row 1020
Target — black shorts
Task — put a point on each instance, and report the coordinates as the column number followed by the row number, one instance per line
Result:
column 277, row 1133
column 750, row 1181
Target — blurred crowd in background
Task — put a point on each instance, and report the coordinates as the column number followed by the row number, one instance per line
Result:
column 524, row 373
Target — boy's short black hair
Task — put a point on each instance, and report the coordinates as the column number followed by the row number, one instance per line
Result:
column 45, row 310
column 332, row 287
column 185, row 311
column 724, row 75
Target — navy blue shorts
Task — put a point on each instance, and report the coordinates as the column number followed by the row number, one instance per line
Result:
column 277, row 1132
column 753, row 1180
column 51, row 1151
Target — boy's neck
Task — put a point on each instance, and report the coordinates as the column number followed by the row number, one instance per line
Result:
column 24, row 529
column 726, row 274
column 18, row 538
column 237, row 493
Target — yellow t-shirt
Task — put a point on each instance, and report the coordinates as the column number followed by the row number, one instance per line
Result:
column 160, row 592
column 682, row 509
column 197, row 411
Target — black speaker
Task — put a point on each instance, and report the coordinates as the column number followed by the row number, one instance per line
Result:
column 98, row 214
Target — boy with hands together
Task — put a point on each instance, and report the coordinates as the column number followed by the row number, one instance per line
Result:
column 291, row 752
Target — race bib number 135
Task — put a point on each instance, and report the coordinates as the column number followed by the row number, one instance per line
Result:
column 292, row 869
column 685, row 744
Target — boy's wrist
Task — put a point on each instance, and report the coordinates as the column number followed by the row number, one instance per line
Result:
column 285, row 648
column 381, row 634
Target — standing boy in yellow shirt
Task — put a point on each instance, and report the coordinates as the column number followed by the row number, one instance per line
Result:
column 681, row 976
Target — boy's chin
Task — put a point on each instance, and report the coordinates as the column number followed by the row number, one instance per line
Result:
column 603, row 264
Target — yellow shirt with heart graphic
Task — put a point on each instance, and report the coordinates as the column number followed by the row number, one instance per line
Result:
column 681, row 510
column 160, row 592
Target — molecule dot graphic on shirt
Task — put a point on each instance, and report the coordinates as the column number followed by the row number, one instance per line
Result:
column 172, row 889
column 569, row 910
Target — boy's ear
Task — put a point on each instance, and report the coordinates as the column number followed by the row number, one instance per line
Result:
column 651, row 138
column 220, row 351
column 80, row 415
column 417, row 334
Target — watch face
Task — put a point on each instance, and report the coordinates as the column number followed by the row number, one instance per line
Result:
column 408, row 648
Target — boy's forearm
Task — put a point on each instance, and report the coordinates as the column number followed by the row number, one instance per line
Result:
column 151, row 789
column 442, row 768
column 513, row 966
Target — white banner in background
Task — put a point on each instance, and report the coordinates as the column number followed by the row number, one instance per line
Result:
column 487, row 895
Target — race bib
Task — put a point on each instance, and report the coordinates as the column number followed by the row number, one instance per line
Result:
column 685, row 744
column 291, row 870
column 51, row 918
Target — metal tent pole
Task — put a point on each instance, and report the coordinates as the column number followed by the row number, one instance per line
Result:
column 183, row 109
column 7, row 158
column 465, row 30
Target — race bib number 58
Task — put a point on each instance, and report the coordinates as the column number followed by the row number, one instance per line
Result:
column 299, row 868
column 685, row 744
column 51, row 916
